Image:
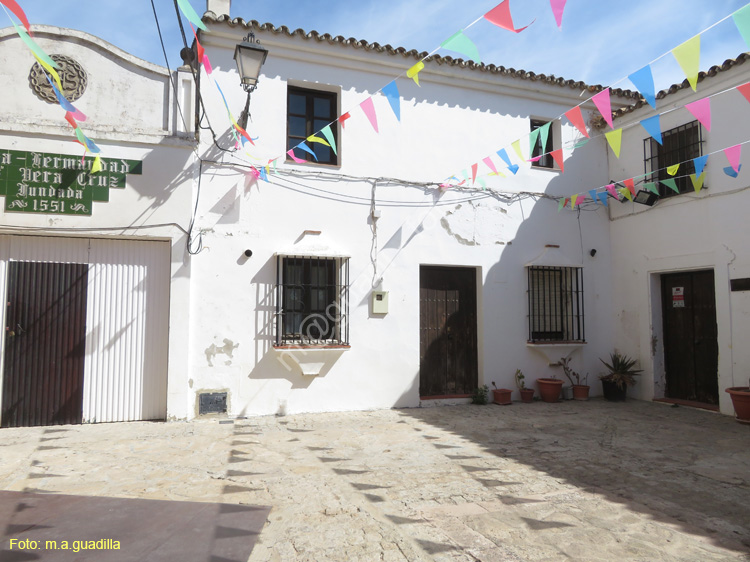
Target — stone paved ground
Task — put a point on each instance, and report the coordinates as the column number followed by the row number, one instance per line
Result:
column 576, row 480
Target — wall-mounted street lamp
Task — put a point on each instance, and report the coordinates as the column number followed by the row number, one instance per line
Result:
column 249, row 56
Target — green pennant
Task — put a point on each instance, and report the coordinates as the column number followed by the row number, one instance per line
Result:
column 533, row 137
column 671, row 184
column 651, row 186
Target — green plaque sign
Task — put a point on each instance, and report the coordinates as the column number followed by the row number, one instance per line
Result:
column 59, row 184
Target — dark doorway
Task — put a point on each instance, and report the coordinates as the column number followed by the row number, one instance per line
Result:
column 45, row 341
column 691, row 349
column 448, row 331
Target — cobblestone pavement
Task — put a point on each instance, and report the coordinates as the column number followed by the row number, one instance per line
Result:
column 575, row 480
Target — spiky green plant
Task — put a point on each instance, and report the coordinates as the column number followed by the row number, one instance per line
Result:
column 621, row 371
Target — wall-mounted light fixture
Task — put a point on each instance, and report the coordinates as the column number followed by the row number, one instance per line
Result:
column 646, row 198
column 249, row 56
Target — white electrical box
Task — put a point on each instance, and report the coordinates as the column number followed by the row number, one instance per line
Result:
column 380, row 302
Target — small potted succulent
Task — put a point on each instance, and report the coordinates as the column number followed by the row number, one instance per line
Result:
column 621, row 375
column 480, row 395
column 527, row 394
column 741, row 402
column 501, row 395
column 580, row 388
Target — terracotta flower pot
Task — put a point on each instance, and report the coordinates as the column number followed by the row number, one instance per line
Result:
column 527, row 395
column 741, row 402
column 501, row 396
column 580, row 392
column 549, row 389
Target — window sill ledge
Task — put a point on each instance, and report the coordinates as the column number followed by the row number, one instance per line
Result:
column 554, row 351
column 313, row 360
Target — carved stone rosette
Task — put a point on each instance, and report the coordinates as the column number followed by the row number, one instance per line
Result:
column 72, row 76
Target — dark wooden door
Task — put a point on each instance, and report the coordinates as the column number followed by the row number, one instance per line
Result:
column 45, row 341
column 691, row 349
column 448, row 331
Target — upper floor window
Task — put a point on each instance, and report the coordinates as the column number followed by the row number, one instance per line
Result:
column 308, row 111
column 546, row 160
column 312, row 300
column 555, row 304
column 679, row 146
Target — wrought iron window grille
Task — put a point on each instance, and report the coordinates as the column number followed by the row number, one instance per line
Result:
column 679, row 146
column 555, row 300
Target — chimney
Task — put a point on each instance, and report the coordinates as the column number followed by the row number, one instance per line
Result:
column 219, row 7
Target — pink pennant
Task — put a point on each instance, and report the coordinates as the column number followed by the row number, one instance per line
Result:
column 254, row 171
column 613, row 191
column 490, row 164
column 207, row 64
column 343, row 119
column 70, row 119
column 603, row 104
column 701, row 110
column 535, row 159
column 733, row 155
column 557, row 156
column 576, row 118
column 630, row 184
column 293, row 157
column 369, row 108
column 474, row 169
column 558, row 6
column 744, row 89
column 500, row 16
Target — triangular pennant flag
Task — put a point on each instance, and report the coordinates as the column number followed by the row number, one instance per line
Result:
column 688, row 56
column 293, row 157
column 558, row 6
column 500, row 16
column 328, row 134
column 731, row 172
column 651, row 186
column 535, row 159
column 733, row 155
column 97, row 165
column 612, row 191
column 391, row 92
column 557, row 156
column 744, row 89
column 414, row 71
column 190, row 14
column 671, row 184
column 18, row 12
column 614, row 138
column 581, row 199
column 643, row 80
column 697, row 181
column 576, row 118
column 604, row 105
column 580, row 143
column 303, row 146
column 672, row 170
column 199, row 50
column 343, row 119
column 630, row 184
column 504, row 155
column 573, row 201
column 533, row 137
column 603, row 198
column 313, row 138
column 700, row 163
column 482, row 183
column 254, row 171
column 653, row 127
column 459, row 43
column 207, row 64
column 561, row 204
column 592, row 192
column 517, row 148
column 513, row 168
column 701, row 110
column 474, row 169
column 275, row 163
column 490, row 164
column 742, row 20
column 70, row 119
column 263, row 174
column 544, row 132
column 626, row 192
column 369, row 108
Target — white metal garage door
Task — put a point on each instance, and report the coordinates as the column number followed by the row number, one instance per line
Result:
column 127, row 319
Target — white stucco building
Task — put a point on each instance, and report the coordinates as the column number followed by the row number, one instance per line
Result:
column 353, row 282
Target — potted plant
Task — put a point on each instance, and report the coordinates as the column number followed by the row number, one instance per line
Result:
column 527, row 394
column 501, row 395
column 621, row 375
column 580, row 390
column 480, row 395
column 741, row 402
column 549, row 389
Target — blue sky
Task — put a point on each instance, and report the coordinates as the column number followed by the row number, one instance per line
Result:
column 600, row 41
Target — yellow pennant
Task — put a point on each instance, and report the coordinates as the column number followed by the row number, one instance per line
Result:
column 414, row 71
column 672, row 170
column 97, row 165
column 313, row 138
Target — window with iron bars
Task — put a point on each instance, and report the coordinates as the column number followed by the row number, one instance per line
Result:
column 312, row 300
column 555, row 297
column 679, row 146
column 546, row 160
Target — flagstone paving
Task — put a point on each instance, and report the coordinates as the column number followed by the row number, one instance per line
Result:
column 575, row 480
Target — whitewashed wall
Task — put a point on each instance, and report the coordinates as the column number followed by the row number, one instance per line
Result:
column 455, row 118
column 131, row 115
column 690, row 231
